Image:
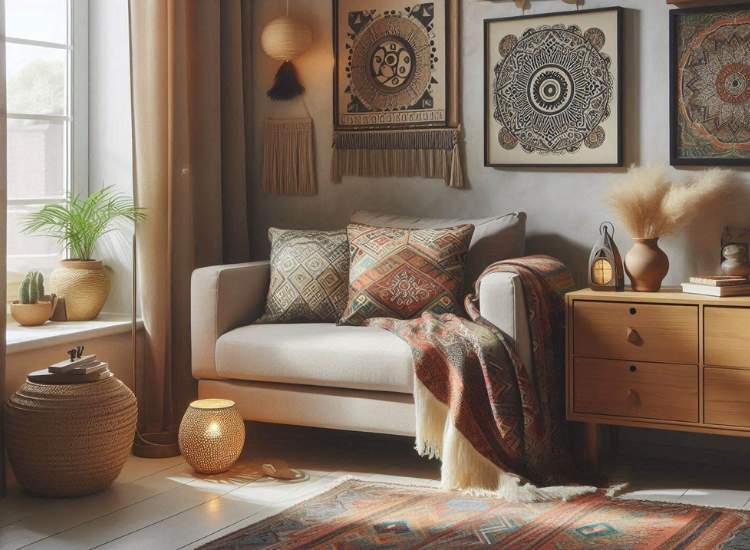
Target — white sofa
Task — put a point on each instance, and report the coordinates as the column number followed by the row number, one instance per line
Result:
column 341, row 377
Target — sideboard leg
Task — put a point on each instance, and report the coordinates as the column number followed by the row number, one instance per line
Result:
column 592, row 446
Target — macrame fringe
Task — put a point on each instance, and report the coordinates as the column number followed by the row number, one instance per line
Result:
column 288, row 157
column 428, row 153
column 463, row 468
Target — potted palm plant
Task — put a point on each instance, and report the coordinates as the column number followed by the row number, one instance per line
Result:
column 81, row 282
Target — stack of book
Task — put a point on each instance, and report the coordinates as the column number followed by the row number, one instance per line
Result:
column 72, row 371
column 718, row 285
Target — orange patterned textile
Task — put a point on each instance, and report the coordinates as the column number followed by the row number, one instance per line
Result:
column 366, row 514
column 494, row 422
column 401, row 273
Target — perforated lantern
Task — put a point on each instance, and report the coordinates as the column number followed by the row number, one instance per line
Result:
column 211, row 435
column 285, row 39
column 605, row 264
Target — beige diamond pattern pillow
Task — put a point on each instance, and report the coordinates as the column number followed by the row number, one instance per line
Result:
column 309, row 276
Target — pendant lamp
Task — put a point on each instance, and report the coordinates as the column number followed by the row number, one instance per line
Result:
column 285, row 39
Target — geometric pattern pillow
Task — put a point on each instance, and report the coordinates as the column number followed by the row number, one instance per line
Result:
column 309, row 275
column 401, row 273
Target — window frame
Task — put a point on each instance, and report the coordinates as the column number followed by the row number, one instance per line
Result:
column 77, row 87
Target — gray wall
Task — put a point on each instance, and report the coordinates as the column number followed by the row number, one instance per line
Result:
column 564, row 206
column 110, row 138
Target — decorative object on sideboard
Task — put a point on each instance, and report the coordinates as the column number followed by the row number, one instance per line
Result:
column 564, row 109
column 710, row 85
column 396, row 90
column 33, row 307
column 212, row 434
column 69, row 435
column 605, row 263
column 736, row 261
column 77, row 225
column 285, row 39
column 289, row 157
column 735, row 251
column 652, row 206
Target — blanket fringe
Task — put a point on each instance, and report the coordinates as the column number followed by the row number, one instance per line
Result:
column 463, row 468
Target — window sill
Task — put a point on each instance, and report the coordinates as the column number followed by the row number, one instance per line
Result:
column 20, row 339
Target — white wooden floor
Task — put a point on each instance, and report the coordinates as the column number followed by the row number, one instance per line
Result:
column 161, row 504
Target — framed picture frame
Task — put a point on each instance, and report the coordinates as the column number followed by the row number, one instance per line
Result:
column 563, row 109
column 395, row 64
column 709, row 86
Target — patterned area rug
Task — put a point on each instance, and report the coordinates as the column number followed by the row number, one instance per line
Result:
column 364, row 515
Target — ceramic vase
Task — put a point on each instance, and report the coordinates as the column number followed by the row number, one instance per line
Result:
column 646, row 265
column 84, row 286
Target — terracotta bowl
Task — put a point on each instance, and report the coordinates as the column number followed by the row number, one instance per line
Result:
column 31, row 315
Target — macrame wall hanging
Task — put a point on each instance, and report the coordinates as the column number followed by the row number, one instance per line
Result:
column 396, row 91
column 289, row 157
column 288, row 152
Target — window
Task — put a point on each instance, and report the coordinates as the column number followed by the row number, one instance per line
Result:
column 46, row 67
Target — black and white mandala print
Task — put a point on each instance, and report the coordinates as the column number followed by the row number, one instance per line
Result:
column 552, row 90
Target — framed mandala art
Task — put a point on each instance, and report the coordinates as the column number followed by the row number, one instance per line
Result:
column 710, row 85
column 396, row 89
column 553, row 90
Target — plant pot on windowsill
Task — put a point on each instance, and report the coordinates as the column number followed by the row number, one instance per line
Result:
column 84, row 286
column 32, row 315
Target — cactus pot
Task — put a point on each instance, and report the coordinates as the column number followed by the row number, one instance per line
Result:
column 31, row 315
column 84, row 285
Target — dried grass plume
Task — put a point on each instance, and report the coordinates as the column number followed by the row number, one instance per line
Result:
column 651, row 205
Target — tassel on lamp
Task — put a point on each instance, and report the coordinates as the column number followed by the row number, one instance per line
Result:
column 285, row 39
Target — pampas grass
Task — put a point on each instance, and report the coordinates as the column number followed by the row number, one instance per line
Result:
column 651, row 205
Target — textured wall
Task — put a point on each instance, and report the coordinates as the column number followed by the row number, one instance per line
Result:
column 564, row 206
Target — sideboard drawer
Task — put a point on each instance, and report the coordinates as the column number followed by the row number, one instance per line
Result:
column 638, row 390
column 727, row 336
column 727, row 396
column 636, row 332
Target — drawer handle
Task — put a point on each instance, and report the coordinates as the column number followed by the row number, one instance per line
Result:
column 634, row 337
column 633, row 368
column 633, row 311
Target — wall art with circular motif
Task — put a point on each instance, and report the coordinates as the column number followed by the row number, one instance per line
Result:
column 552, row 89
column 394, row 63
column 710, row 85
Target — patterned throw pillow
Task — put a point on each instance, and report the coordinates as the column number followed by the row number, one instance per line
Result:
column 309, row 274
column 401, row 273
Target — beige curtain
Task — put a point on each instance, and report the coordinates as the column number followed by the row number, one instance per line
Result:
column 191, row 120
column 3, row 230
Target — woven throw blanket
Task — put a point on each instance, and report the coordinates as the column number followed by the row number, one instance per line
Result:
column 496, row 425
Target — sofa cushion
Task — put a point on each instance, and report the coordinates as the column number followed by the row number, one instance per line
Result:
column 317, row 354
column 309, row 276
column 495, row 238
column 401, row 273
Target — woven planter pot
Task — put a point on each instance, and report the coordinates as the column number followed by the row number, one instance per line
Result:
column 70, row 439
column 84, row 284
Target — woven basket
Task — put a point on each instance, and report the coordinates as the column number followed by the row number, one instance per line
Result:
column 84, row 285
column 70, row 439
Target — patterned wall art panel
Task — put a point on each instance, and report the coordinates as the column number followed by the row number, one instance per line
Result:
column 396, row 88
column 710, row 85
column 553, row 89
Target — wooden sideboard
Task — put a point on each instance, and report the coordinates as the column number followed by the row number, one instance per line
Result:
column 658, row 360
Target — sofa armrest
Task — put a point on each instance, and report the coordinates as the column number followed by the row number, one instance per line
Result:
column 502, row 303
column 223, row 297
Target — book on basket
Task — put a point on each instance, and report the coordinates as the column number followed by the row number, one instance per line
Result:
column 708, row 290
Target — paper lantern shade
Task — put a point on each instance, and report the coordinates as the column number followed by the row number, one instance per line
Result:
column 285, row 39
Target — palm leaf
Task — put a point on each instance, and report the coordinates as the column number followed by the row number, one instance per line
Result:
column 78, row 224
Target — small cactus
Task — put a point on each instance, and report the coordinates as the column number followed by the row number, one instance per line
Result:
column 32, row 288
